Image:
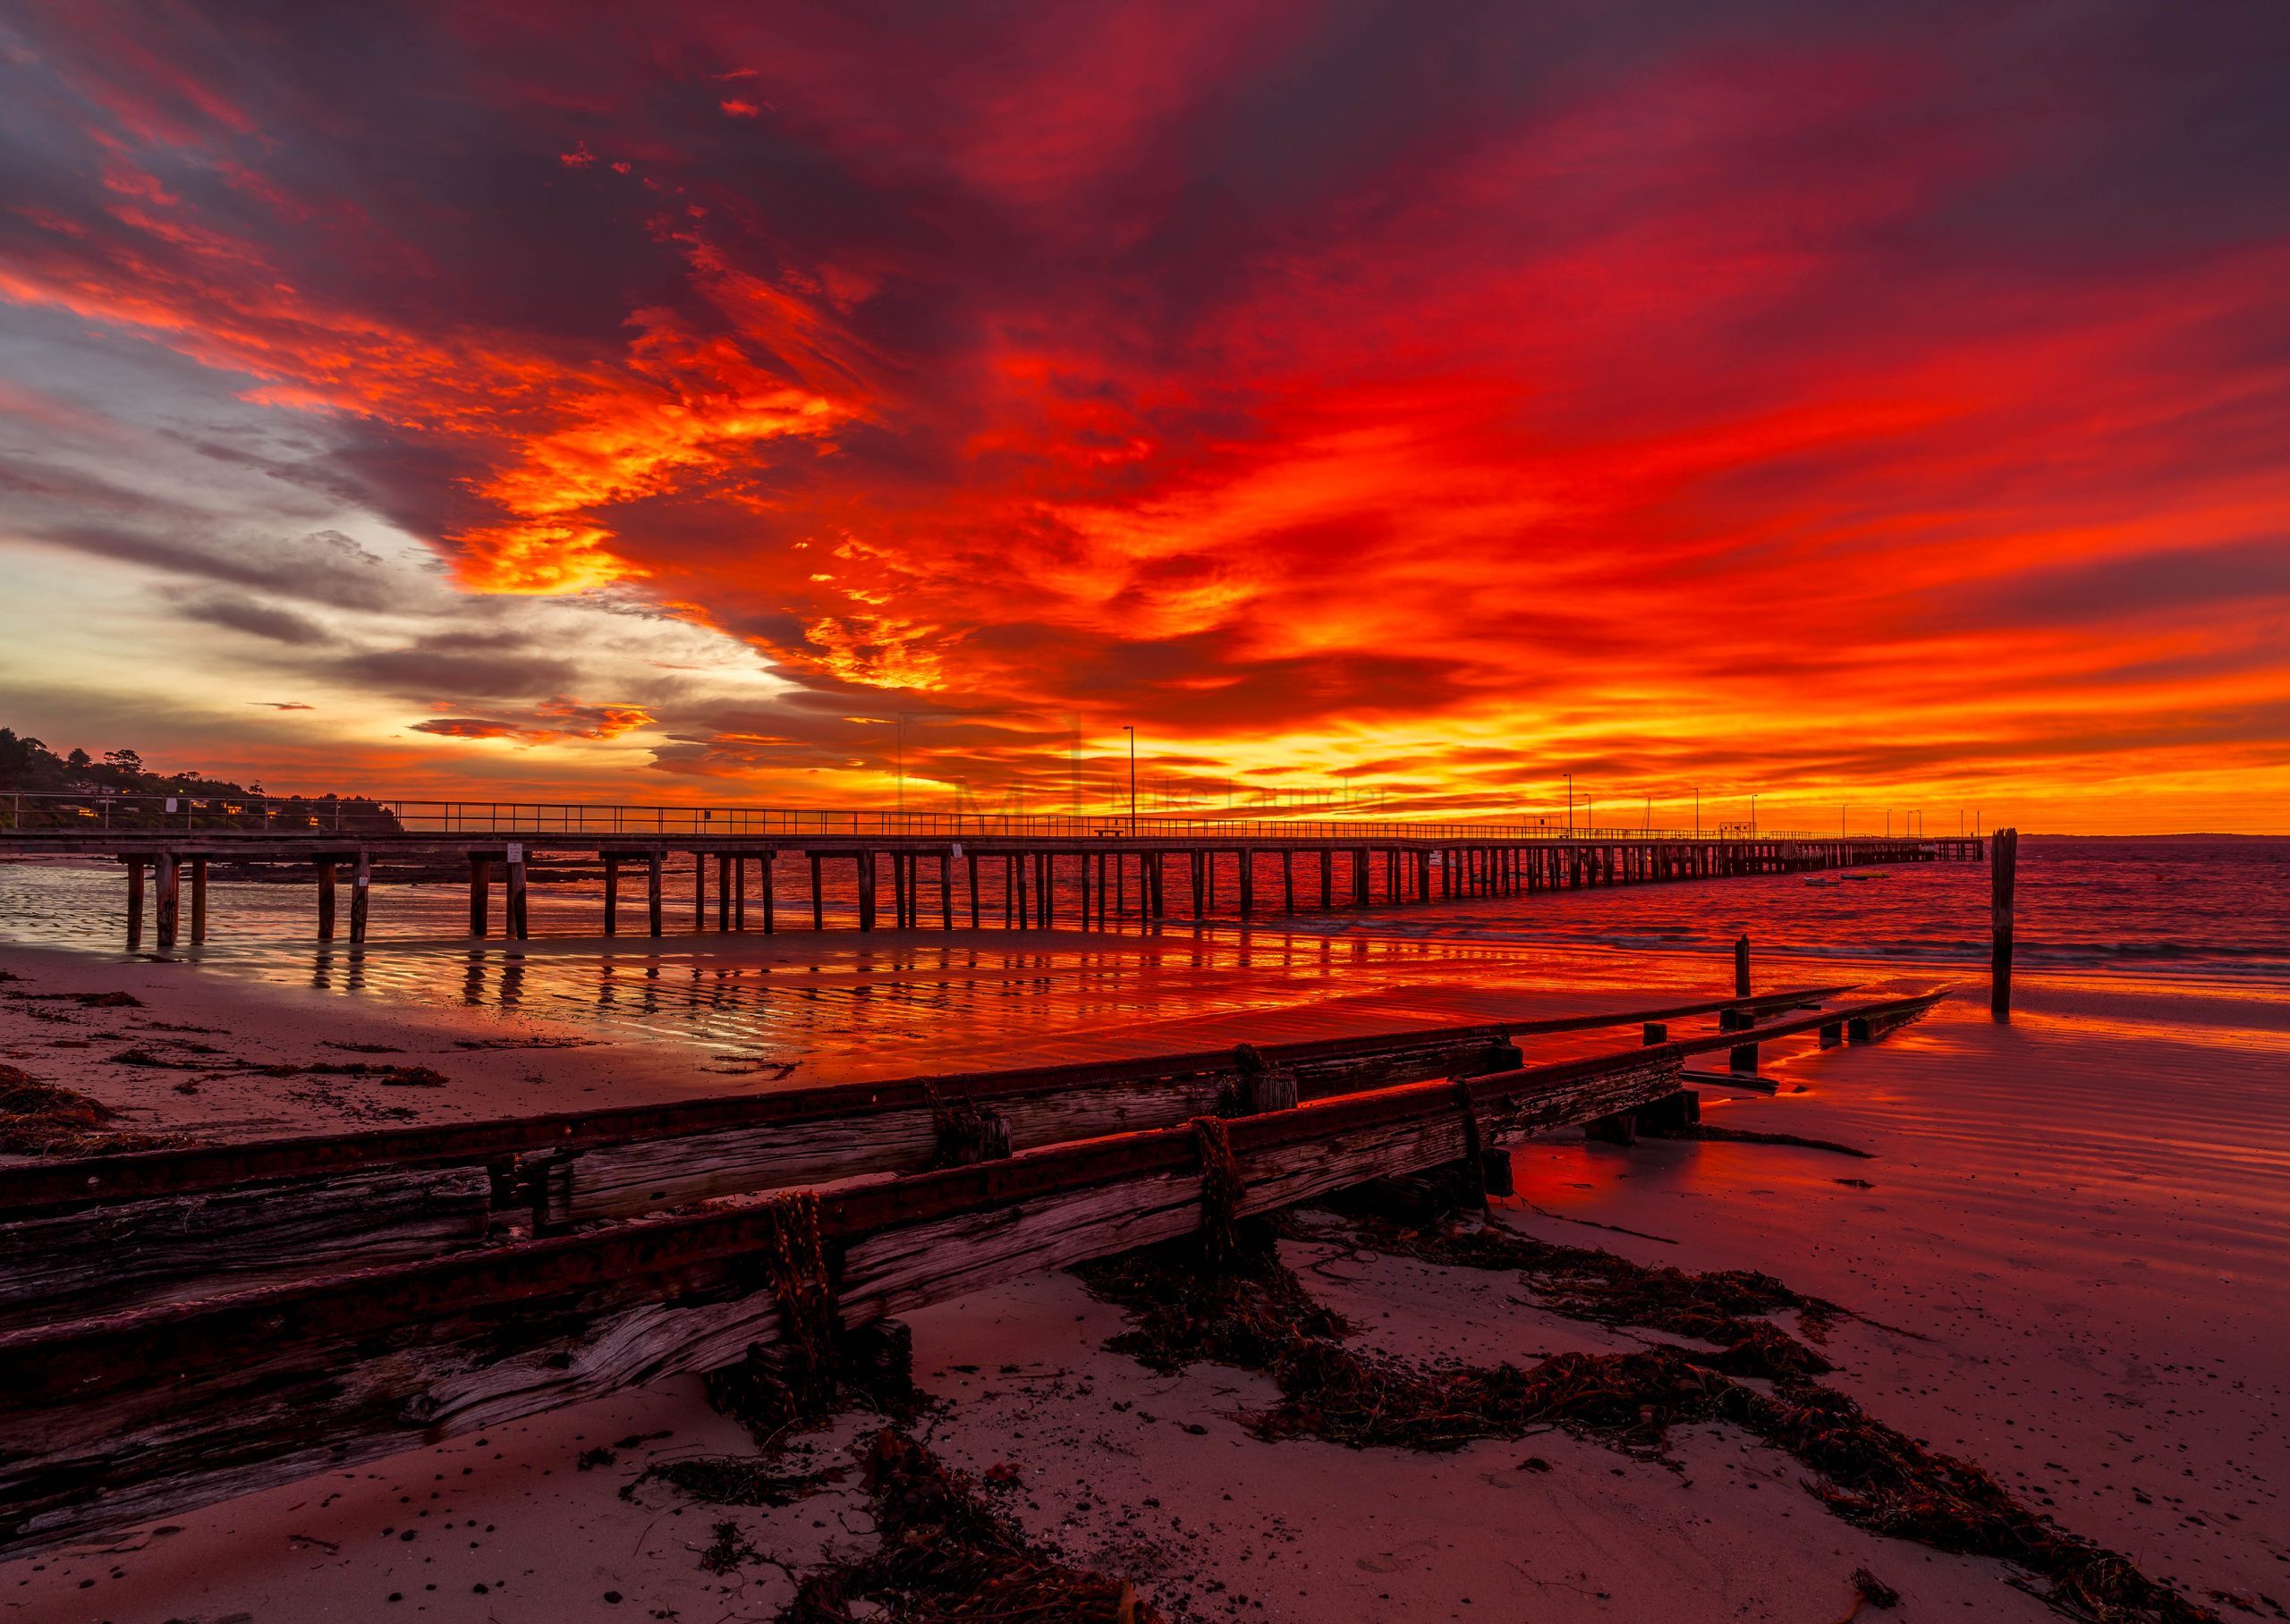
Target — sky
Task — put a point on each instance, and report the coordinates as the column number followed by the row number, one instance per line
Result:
column 1882, row 410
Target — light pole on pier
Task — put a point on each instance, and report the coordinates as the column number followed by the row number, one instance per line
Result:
column 1131, row 731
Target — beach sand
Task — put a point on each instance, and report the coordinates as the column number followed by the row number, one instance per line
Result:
column 2066, row 1244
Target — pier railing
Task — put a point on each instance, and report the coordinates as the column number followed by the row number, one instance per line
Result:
column 34, row 811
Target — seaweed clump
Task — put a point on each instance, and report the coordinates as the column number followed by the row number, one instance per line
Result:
column 945, row 1554
column 1257, row 1315
column 40, row 1119
column 1412, row 1218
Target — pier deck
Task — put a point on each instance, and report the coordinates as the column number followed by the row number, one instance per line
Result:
column 939, row 871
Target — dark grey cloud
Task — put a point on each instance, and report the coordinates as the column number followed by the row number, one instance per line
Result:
column 253, row 617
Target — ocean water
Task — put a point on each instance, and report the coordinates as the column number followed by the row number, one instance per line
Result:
column 2208, row 905
column 2205, row 905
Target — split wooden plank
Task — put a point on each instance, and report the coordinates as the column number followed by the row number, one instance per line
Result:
column 59, row 1267
column 109, row 1423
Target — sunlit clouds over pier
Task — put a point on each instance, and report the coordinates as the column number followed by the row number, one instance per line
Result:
column 1875, row 406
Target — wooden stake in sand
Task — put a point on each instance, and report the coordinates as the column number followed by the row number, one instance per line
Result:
column 2004, row 864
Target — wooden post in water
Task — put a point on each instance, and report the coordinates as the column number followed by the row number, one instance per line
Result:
column 971, row 863
column 198, row 899
column 612, row 893
column 763, row 864
column 2003, row 869
column 480, row 887
column 699, row 891
column 946, row 889
column 653, row 863
column 362, row 890
column 866, row 891
column 818, row 918
column 169, row 886
column 1743, row 1056
column 326, row 898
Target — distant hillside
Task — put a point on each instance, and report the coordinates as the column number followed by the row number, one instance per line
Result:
column 27, row 764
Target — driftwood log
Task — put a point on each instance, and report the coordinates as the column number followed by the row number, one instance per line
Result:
column 106, row 1231
column 110, row 1422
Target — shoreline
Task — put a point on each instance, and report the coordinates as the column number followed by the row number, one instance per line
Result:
column 1998, row 1154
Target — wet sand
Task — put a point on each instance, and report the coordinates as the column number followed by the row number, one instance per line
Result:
column 2070, row 1254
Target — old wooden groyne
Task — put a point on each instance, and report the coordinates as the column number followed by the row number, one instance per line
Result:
column 406, row 1327
column 933, row 870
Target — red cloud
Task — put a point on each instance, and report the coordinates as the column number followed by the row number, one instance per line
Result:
column 1301, row 394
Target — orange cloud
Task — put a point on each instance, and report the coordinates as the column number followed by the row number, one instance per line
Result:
column 1697, row 401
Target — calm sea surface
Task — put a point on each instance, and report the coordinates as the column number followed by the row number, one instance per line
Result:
column 2206, row 906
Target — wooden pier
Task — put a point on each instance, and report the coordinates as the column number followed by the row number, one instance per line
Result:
column 936, row 871
column 397, row 1334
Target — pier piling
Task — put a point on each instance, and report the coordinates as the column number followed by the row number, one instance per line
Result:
column 169, row 887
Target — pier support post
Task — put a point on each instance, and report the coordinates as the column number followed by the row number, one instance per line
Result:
column 198, row 899
column 723, row 892
column 480, row 887
column 972, row 859
column 520, row 913
column 654, row 861
column 2002, row 871
column 699, row 891
column 1742, row 966
column 326, row 898
column 763, row 877
column 612, row 892
column 1287, row 881
column 134, row 903
column 819, row 915
column 361, row 891
column 866, row 891
column 946, row 889
column 168, row 885
column 1327, row 877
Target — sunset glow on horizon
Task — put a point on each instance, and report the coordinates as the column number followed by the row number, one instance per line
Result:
column 1875, row 411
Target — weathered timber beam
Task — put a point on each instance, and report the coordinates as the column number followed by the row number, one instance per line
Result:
column 109, row 1423
column 64, row 1266
column 1323, row 1065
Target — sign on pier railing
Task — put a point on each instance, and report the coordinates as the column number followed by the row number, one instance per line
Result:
column 32, row 811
